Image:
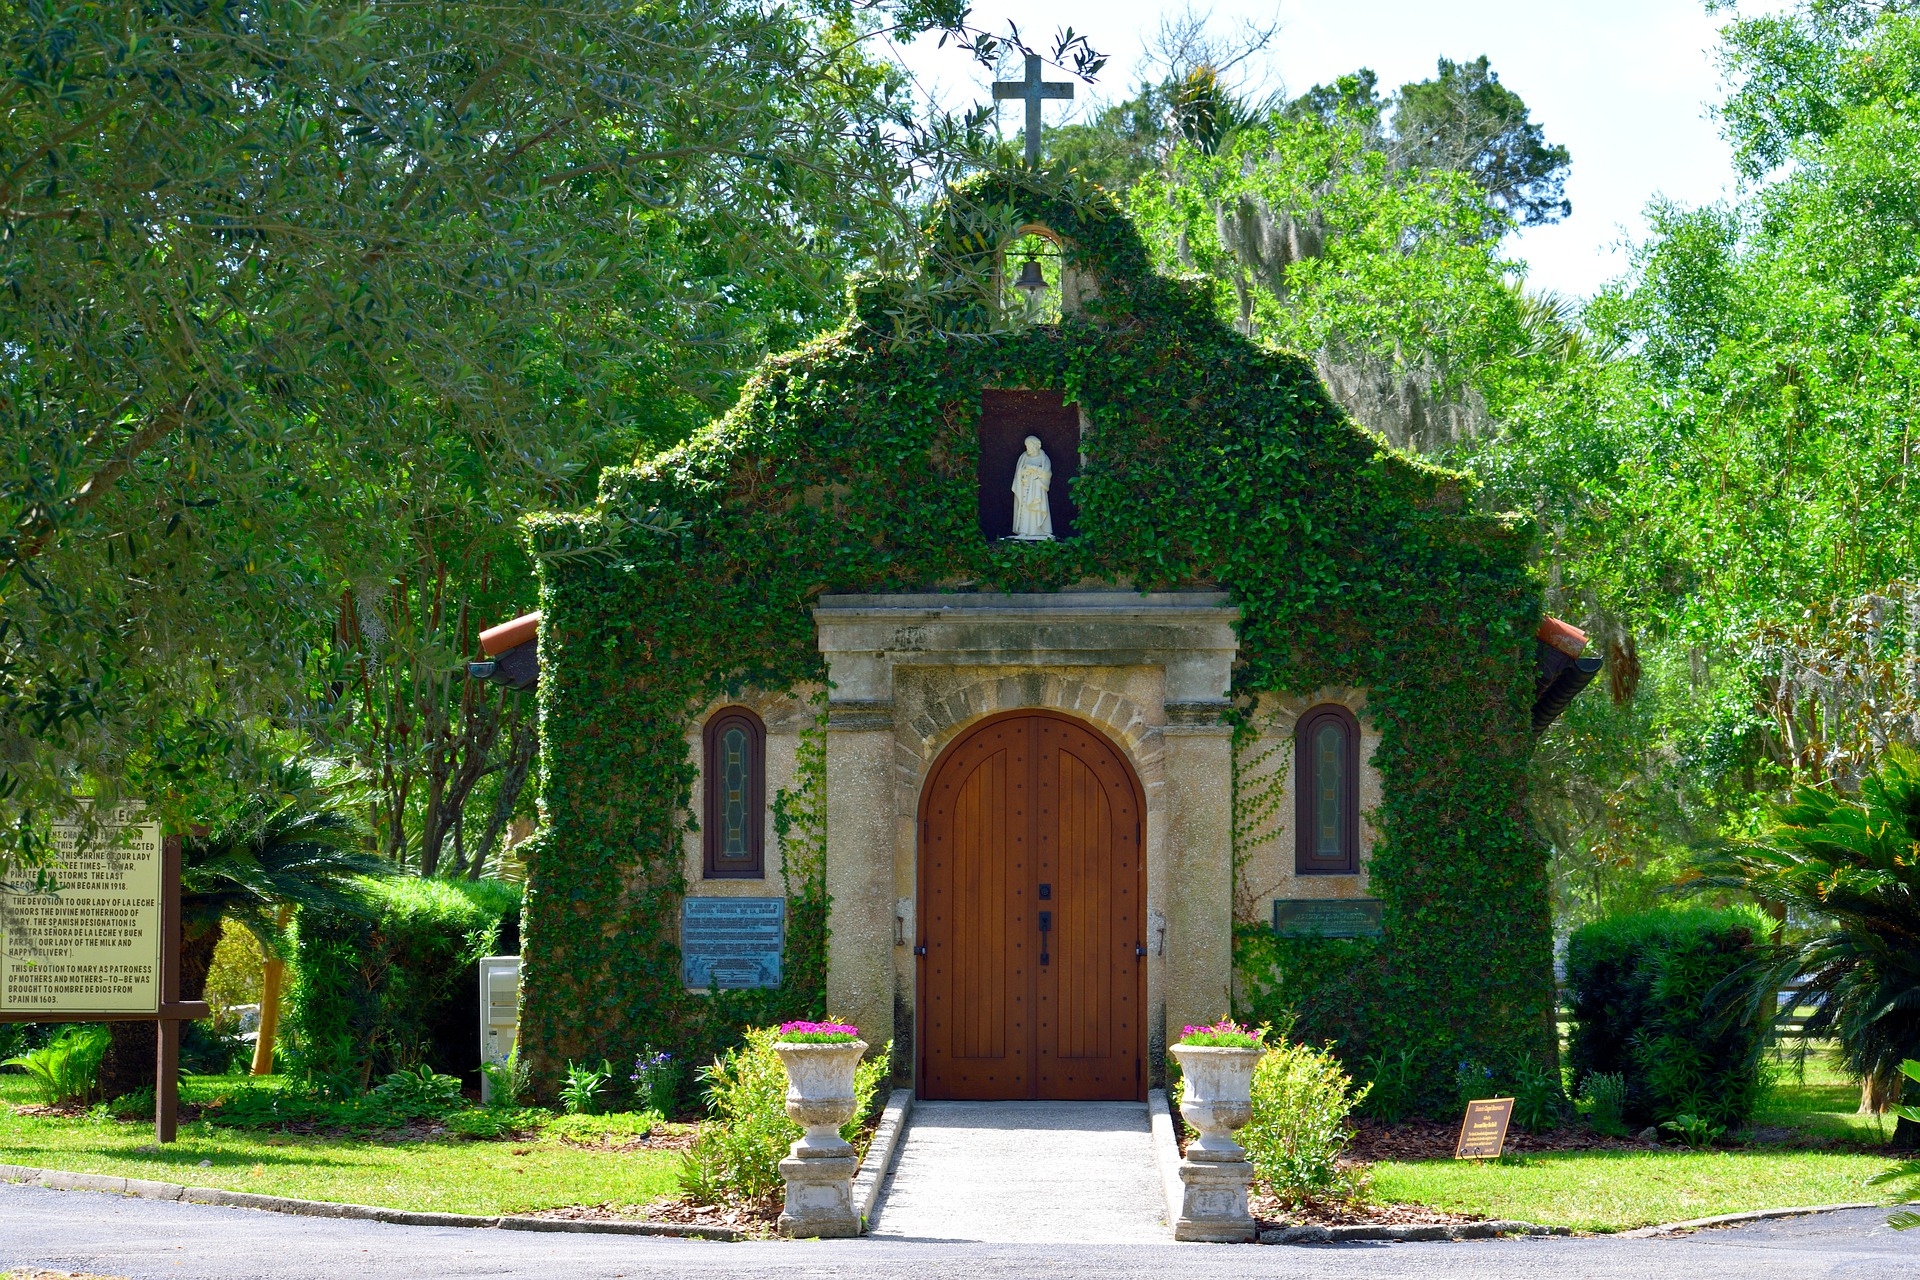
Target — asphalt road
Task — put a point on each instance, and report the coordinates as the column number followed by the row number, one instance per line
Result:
column 84, row 1231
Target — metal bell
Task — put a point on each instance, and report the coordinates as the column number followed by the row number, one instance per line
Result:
column 1031, row 282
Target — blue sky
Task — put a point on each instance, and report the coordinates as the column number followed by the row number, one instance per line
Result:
column 1625, row 85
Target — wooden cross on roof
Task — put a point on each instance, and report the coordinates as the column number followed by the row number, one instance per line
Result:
column 1032, row 90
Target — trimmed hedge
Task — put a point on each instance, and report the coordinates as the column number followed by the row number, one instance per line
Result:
column 400, row 986
column 1656, row 1000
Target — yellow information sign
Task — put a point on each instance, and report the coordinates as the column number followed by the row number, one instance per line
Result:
column 92, row 945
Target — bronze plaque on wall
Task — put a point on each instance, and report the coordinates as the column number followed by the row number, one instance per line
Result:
column 1483, row 1133
column 1007, row 418
column 1327, row 917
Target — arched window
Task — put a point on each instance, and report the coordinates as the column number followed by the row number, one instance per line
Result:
column 1326, row 833
column 734, row 822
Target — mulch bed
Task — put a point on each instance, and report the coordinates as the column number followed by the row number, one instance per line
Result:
column 1269, row 1212
column 755, row 1218
column 672, row 1138
column 1434, row 1140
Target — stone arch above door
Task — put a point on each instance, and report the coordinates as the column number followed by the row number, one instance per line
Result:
column 909, row 674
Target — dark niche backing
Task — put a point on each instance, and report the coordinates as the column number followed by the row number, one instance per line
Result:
column 1007, row 418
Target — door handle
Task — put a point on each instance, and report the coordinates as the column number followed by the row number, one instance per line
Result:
column 1046, row 927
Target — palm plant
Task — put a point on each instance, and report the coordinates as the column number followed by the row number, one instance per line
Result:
column 1849, row 866
column 1905, row 1177
column 302, row 844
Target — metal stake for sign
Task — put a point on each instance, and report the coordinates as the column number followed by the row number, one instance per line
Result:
column 166, row 1062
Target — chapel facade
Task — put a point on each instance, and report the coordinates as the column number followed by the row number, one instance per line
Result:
column 1026, row 696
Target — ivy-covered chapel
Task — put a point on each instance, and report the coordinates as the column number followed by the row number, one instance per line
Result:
column 1025, row 689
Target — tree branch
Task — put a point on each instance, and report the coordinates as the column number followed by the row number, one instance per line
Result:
column 40, row 525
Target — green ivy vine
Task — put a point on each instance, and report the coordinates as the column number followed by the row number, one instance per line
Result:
column 1210, row 462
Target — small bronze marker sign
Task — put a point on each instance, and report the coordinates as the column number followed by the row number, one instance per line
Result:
column 1483, row 1134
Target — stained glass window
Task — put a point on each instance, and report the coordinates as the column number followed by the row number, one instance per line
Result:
column 1327, row 743
column 736, row 790
column 1329, row 784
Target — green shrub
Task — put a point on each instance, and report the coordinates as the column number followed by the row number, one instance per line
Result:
column 1301, row 1102
column 1603, row 1098
column 1696, row 1131
column 656, row 1081
column 621, row 1126
column 66, row 1069
column 1393, row 1090
column 580, row 1095
column 506, row 1081
column 1905, row 1176
column 1657, row 1001
column 482, row 1123
column 405, row 1097
column 137, row 1105
column 419, row 1094
column 1539, row 1103
column 377, row 994
column 738, row 1152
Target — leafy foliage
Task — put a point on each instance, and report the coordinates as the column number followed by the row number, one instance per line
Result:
column 1848, row 867
column 1658, row 999
column 1907, row 1173
column 305, row 302
column 849, row 466
column 747, row 1133
column 1725, row 463
column 1465, row 121
column 1603, row 1099
column 397, row 985
column 403, row 1098
column 64, row 1070
column 1302, row 1099
column 580, row 1095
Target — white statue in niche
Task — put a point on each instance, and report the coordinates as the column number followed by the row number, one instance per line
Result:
column 1032, row 477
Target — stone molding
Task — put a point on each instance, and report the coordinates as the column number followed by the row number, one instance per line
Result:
column 1191, row 634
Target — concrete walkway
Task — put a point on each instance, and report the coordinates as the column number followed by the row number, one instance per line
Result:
column 1025, row 1172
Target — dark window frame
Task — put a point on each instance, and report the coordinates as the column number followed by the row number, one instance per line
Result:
column 1306, row 799
column 755, row 867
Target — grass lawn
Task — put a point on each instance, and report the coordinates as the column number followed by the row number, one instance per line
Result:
column 446, row 1176
column 1617, row 1191
column 1620, row 1190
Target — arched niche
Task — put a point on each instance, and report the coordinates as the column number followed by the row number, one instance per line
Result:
column 1073, row 287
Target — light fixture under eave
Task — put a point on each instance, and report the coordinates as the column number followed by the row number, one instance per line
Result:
column 1031, row 282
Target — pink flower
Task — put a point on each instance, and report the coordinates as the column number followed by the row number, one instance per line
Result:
column 822, row 1028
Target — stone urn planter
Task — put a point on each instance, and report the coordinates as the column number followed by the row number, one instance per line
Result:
column 1216, row 1101
column 819, row 1167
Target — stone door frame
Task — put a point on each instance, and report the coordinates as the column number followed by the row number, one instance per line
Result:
column 909, row 673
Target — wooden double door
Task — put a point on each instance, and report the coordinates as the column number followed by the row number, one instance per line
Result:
column 1032, row 905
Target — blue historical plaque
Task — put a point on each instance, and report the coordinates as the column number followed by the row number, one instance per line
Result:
column 731, row 943
column 1326, row 917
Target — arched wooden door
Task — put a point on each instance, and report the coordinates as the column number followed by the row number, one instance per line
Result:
column 1032, row 901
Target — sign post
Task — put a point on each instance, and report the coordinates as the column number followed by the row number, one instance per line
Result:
column 105, row 946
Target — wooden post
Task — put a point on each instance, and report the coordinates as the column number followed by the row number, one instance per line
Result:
column 166, row 1072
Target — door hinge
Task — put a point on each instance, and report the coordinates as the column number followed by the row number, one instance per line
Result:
column 920, row 950
column 1139, row 951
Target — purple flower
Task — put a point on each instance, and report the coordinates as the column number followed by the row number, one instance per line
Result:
column 823, row 1028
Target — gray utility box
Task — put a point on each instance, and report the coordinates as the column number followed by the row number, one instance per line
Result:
column 499, row 1013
